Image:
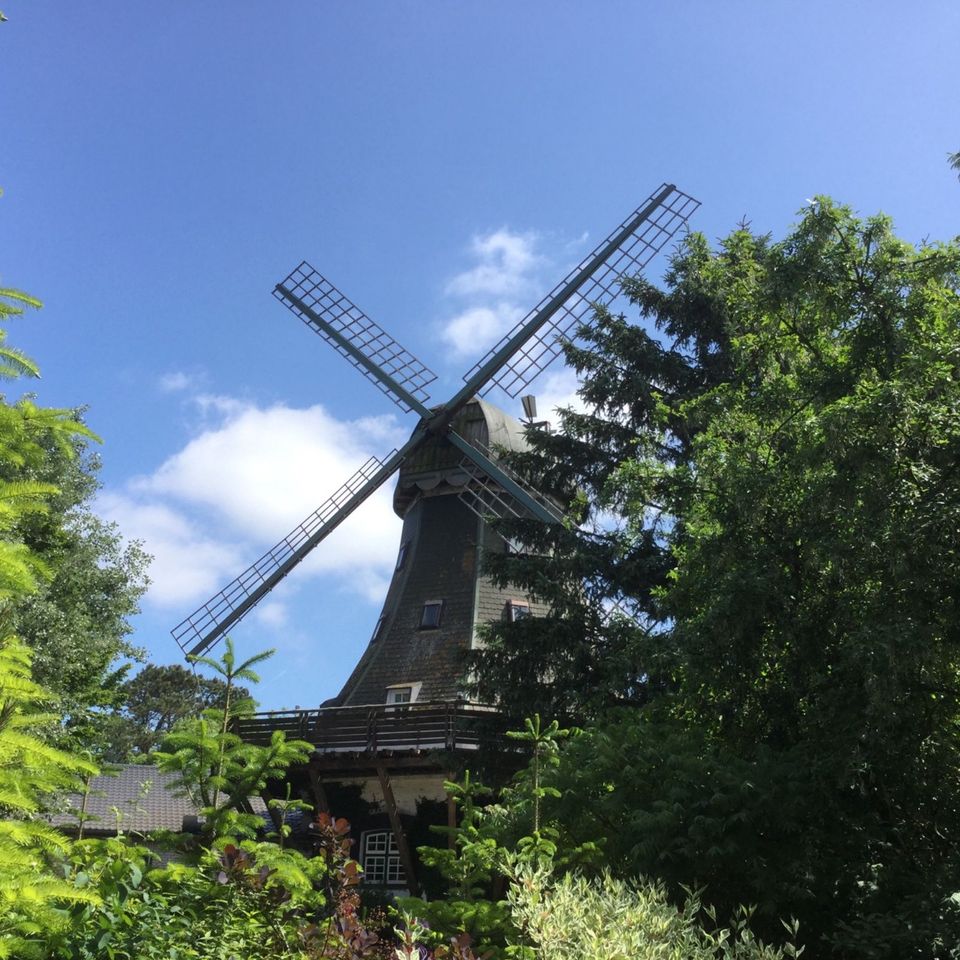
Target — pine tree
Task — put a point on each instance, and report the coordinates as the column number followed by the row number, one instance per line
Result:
column 777, row 461
column 30, row 892
column 216, row 768
column 637, row 379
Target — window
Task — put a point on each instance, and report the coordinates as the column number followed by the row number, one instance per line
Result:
column 380, row 858
column 517, row 610
column 378, row 629
column 430, row 616
column 401, row 694
column 402, row 555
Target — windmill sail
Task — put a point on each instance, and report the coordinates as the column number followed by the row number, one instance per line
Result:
column 512, row 365
column 209, row 623
column 383, row 361
column 490, row 501
column 627, row 250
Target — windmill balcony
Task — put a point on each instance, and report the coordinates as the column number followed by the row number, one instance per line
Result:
column 381, row 729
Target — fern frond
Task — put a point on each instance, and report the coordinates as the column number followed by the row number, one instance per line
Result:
column 14, row 363
column 31, row 833
column 20, row 300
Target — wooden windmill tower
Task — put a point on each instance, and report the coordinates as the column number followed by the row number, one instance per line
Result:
column 399, row 714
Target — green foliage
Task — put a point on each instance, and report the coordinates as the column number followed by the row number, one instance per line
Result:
column 663, row 799
column 488, row 843
column 154, row 702
column 70, row 582
column 280, row 809
column 12, row 362
column 515, row 887
column 27, row 434
column 572, row 918
column 471, row 867
column 817, row 580
column 217, row 769
column 778, row 471
column 231, row 900
column 576, row 661
column 31, row 894
column 77, row 621
column 236, row 902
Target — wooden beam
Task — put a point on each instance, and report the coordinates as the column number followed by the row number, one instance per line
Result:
column 360, row 764
column 397, row 827
column 319, row 794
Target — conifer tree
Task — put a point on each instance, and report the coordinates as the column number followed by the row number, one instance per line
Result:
column 773, row 454
column 76, row 583
column 30, row 892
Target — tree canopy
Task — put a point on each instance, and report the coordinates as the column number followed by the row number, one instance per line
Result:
column 154, row 701
column 767, row 470
column 77, row 583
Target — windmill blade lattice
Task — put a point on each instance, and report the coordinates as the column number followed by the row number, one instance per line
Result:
column 488, row 499
column 323, row 308
column 644, row 234
column 203, row 628
column 524, row 353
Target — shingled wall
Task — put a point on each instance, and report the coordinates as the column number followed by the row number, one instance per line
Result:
column 445, row 542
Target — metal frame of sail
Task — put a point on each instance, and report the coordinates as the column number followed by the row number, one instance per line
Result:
column 403, row 378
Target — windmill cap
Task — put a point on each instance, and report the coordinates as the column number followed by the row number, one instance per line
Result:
column 436, row 463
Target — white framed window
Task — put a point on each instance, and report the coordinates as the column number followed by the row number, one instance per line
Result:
column 378, row 629
column 380, row 858
column 517, row 610
column 399, row 694
column 402, row 556
column 431, row 615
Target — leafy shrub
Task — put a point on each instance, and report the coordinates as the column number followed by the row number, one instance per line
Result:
column 573, row 918
column 252, row 900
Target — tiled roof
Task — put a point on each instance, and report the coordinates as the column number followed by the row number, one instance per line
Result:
column 146, row 797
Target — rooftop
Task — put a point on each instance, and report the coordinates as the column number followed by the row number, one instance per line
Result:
column 144, row 798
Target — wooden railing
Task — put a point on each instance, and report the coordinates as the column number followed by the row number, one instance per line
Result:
column 379, row 728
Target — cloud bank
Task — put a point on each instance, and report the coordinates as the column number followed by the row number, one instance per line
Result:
column 495, row 292
column 239, row 486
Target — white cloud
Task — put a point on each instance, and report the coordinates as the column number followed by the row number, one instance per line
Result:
column 506, row 263
column 480, row 327
column 263, row 470
column 558, row 388
column 271, row 614
column 505, row 277
column 175, row 381
column 242, row 484
column 187, row 563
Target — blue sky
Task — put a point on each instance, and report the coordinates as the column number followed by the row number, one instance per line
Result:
column 442, row 163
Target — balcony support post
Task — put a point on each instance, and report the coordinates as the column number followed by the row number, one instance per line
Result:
column 396, row 825
column 316, row 784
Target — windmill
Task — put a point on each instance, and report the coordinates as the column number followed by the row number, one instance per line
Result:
column 511, row 365
column 399, row 720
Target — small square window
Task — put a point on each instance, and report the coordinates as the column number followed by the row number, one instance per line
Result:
column 378, row 629
column 431, row 614
column 400, row 695
column 517, row 610
column 402, row 555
